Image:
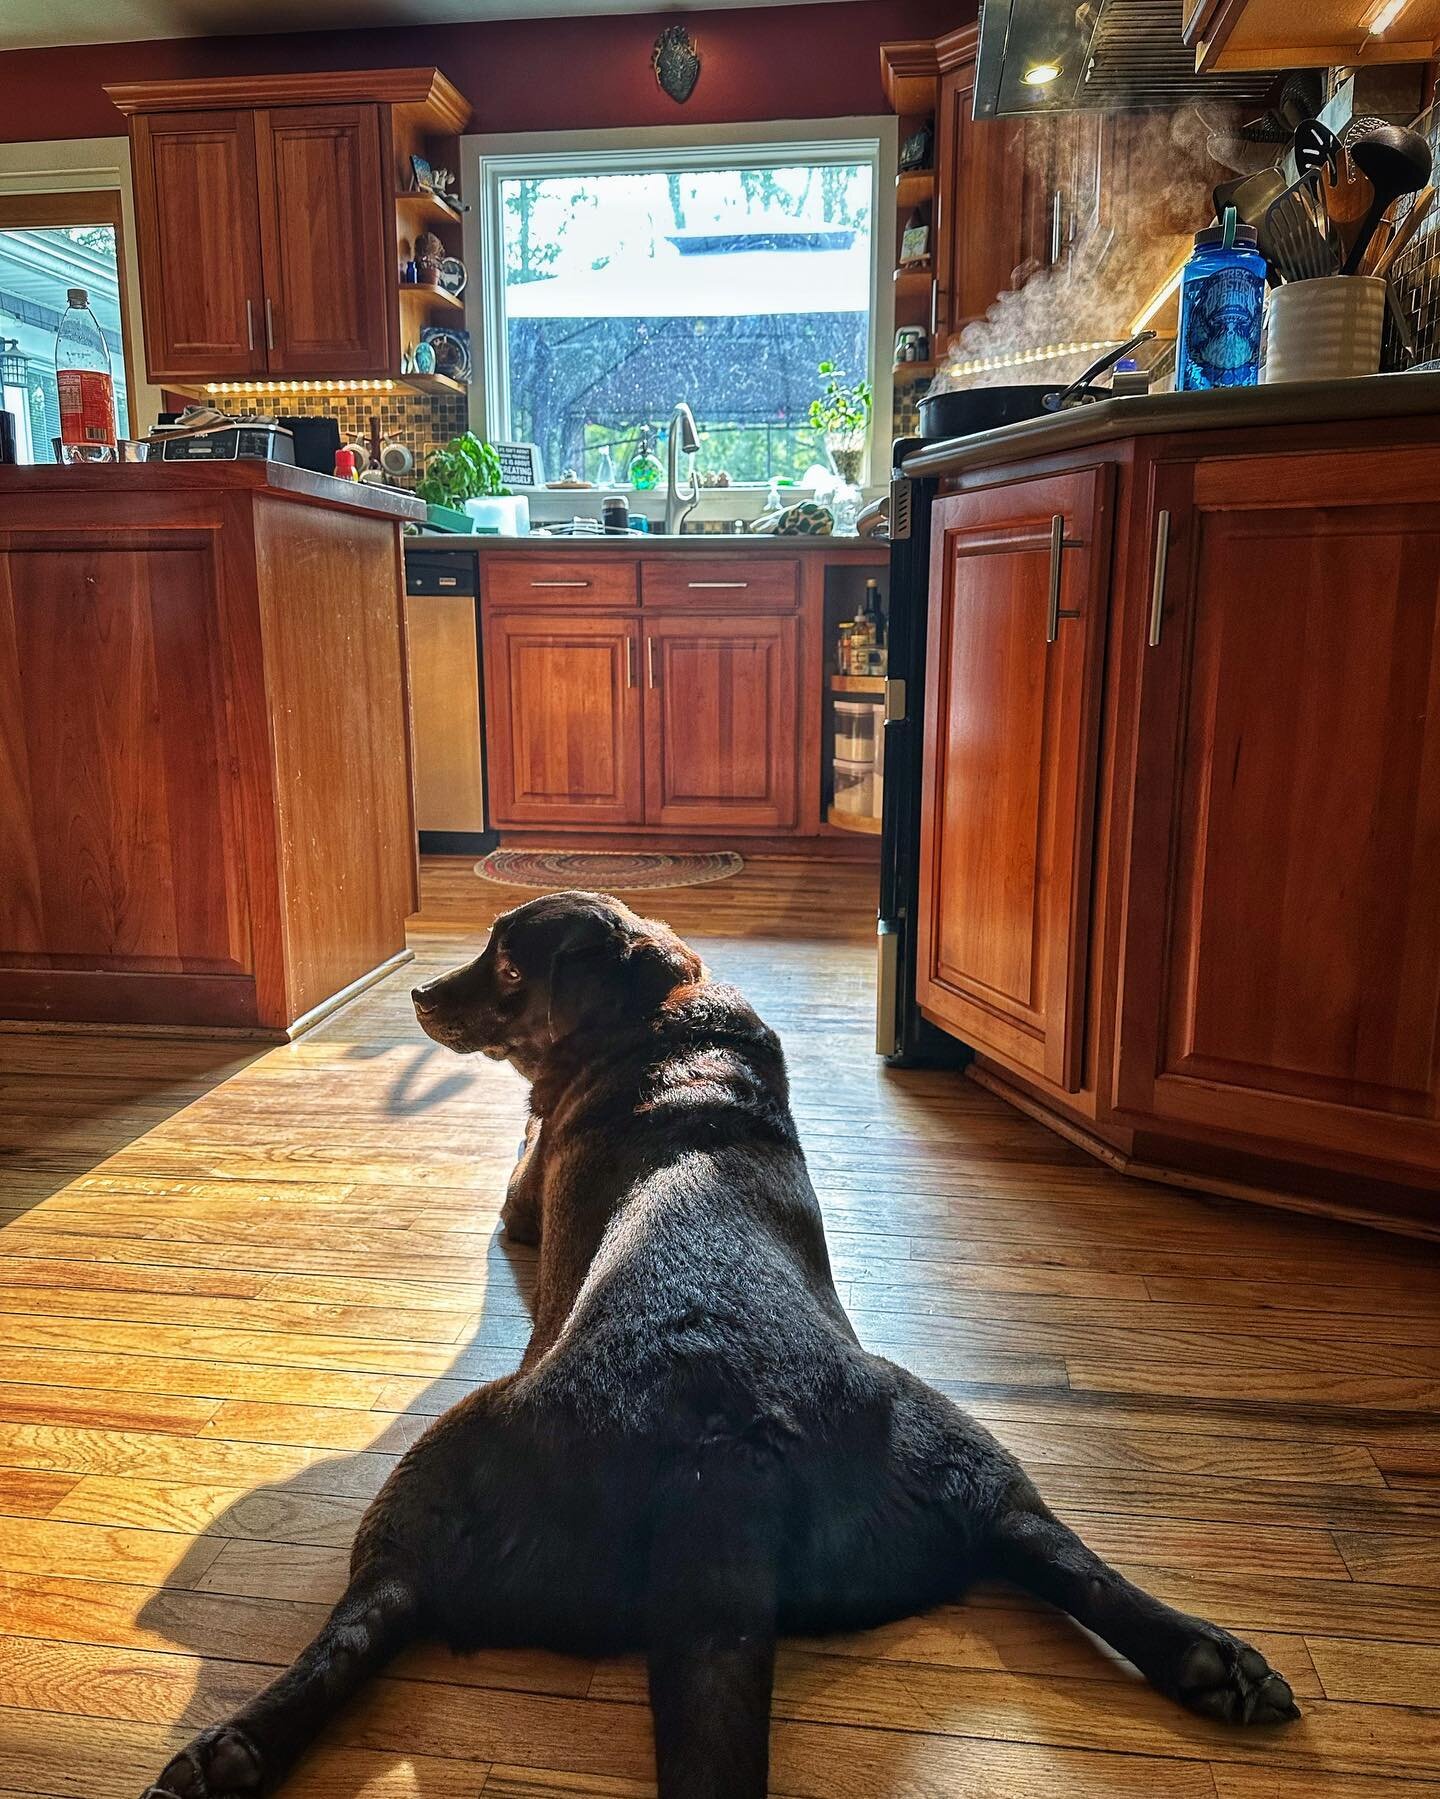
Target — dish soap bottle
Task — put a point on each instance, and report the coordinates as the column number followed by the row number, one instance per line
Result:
column 1222, row 309
column 85, row 383
column 645, row 464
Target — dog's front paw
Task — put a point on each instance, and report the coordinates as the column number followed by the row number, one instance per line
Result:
column 1223, row 1678
column 220, row 1764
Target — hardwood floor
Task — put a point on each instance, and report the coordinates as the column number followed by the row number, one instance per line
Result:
column 234, row 1286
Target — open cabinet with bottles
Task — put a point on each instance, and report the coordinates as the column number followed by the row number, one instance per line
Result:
column 856, row 611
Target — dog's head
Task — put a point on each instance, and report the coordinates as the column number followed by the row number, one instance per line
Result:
column 556, row 966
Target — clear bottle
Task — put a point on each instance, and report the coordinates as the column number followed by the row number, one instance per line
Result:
column 86, row 383
column 1222, row 310
column 605, row 475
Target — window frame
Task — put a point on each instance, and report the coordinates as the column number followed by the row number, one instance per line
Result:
column 491, row 160
column 62, row 179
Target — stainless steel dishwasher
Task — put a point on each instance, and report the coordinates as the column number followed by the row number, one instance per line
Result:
column 447, row 702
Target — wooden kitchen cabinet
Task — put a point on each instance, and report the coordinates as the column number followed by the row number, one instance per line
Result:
column 1281, row 971
column 1017, row 618
column 322, row 231
column 721, row 721
column 272, row 219
column 564, row 719
column 197, row 213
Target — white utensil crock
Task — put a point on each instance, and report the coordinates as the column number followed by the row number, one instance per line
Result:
column 1325, row 330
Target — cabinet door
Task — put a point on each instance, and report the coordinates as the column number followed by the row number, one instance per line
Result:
column 1018, row 589
column 197, row 214
column 1281, row 959
column 445, row 711
column 721, row 721
column 981, row 235
column 328, row 272
column 563, row 719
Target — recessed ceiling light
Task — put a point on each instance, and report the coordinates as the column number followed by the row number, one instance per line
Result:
column 1041, row 74
column 1385, row 16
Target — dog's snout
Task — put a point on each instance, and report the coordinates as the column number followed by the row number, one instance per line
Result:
column 424, row 1000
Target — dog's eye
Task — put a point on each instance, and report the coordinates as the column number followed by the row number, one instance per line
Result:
column 508, row 973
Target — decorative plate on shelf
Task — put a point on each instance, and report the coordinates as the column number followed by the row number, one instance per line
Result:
column 452, row 351
column 453, row 276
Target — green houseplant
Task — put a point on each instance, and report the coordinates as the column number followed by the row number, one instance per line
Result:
column 842, row 413
column 464, row 469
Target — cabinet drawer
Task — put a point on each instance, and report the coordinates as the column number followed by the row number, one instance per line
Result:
column 735, row 583
column 568, row 581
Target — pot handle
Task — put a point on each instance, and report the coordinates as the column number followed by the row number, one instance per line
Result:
column 1076, row 391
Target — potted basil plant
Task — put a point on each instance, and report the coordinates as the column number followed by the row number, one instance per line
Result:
column 459, row 474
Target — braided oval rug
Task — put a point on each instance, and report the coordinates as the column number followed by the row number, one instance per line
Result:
column 607, row 871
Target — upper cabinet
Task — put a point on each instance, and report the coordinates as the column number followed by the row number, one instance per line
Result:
column 1278, row 34
column 272, row 227
column 197, row 211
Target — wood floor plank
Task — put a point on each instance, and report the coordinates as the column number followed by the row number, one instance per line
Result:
column 1377, row 1673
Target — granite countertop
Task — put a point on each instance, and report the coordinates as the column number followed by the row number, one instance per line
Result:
column 1367, row 397
column 704, row 543
column 277, row 478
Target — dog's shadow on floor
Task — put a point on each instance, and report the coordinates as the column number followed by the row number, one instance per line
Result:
column 256, row 1586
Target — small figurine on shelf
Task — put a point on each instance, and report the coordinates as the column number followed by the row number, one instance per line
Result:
column 429, row 254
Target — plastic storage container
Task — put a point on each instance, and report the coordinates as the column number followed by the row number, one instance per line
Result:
column 1222, row 311
column 854, row 787
column 857, row 730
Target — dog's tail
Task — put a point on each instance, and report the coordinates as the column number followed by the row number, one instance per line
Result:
column 714, row 1575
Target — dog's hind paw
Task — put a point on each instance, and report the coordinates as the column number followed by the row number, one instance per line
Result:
column 220, row 1764
column 1223, row 1678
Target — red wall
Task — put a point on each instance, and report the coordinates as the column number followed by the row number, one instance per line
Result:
column 774, row 62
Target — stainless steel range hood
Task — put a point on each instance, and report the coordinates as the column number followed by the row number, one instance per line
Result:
column 1112, row 55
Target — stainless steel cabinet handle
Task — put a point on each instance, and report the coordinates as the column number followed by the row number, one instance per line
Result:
column 650, row 662
column 1058, row 547
column 713, row 584
column 1157, row 587
column 250, row 324
column 559, row 583
column 629, row 661
column 1057, row 225
column 269, row 325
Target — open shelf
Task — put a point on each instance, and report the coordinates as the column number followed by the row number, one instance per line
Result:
column 852, row 821
column 434, row 384
column 915, row 278
column 914, row 371
column 914, row 187
column 428, row 206
column 431, row 296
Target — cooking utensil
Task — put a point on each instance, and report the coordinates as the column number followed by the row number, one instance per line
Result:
column 1348, row 198
column 1295, row 236
column 1077, row 392
column 1251, row 196
column 1405, row 231
column 1397, row 161
column 1315, row 146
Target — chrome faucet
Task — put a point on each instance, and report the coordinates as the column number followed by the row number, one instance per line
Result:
column 680, row 502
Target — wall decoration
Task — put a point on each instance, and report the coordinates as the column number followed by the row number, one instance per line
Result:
column 451, row 349
column 422, row 177
column 676, row 62
column 520, row 465
column 452, row 275
column 917, row 152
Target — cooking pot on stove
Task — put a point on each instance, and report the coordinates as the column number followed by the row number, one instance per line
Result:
column 964, row 411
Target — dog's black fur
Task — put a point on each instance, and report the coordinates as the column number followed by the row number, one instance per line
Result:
column 696, row 1455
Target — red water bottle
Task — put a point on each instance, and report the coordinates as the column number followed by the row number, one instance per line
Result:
column 86, row 384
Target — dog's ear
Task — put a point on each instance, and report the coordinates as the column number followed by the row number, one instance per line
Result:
column 602, row 972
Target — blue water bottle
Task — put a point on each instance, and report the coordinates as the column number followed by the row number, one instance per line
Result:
column 1222, row 309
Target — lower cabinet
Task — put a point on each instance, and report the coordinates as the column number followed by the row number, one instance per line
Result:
column 563, row 719
column 1281, row 972
column 721, row 721
column 1017, row 613
column 687, row 720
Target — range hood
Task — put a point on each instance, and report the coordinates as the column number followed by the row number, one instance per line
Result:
column 1111, row 56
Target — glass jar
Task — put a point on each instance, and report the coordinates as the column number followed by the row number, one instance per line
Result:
column 1222, row 311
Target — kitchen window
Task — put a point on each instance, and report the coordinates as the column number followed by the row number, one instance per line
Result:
column 620, row 280
column 48, row 244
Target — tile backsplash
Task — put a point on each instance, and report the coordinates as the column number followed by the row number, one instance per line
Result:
column 419, row 421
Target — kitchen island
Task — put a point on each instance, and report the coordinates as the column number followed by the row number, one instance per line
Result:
column 205, row 816
column 1180, row 793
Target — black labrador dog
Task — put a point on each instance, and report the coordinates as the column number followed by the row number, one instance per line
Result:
column 696, row 1455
